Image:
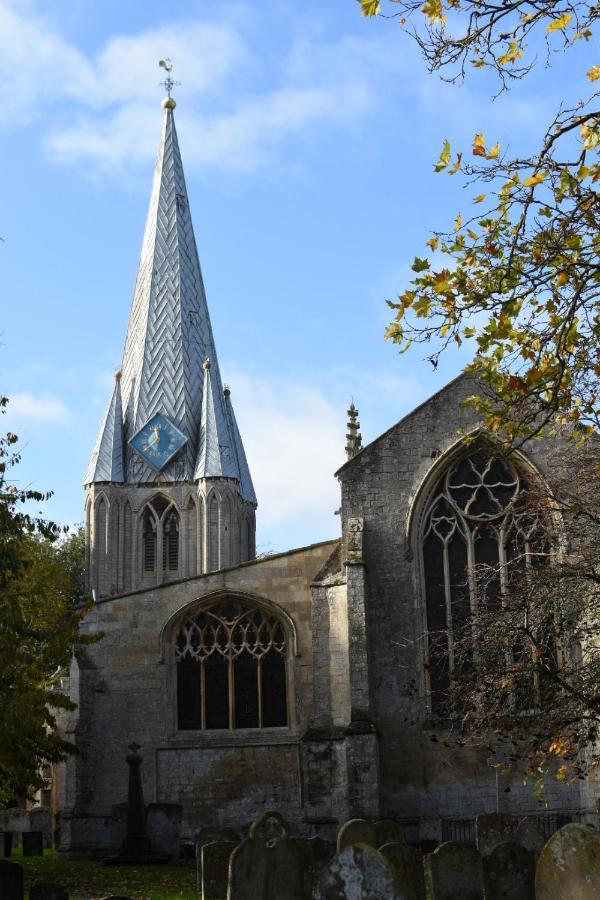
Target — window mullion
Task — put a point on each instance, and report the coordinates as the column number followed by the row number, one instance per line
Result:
column 231, row 687
column 260, row 693
column 448, row 597
column 202, row 694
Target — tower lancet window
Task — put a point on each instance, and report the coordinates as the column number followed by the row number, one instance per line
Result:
column 160, row 533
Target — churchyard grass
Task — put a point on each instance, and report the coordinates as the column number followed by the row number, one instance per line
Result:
column 88, row 879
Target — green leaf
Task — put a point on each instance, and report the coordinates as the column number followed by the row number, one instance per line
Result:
column 420, row 265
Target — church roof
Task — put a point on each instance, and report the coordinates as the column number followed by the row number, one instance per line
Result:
column 169, row 336
column 106, row 462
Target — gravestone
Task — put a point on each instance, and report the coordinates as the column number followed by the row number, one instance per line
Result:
column 408, row 864
column 356, row 831
column 210, row 833
column 163, row 827
column 6, row 842
column 569, row 867
column 11, row 880
column 44, row 890
column 268, row 865
column 530, row 834
column 454, row 872
column 509, row 873
column 215, row 869
column 387, row 831
column 40, row 819
column 359, row 872
column 33, row 843
column 492, row 829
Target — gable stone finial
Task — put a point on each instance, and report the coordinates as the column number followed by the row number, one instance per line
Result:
column 353, row 436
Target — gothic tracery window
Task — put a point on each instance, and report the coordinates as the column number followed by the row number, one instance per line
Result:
column 231, row 669
column 475, row 523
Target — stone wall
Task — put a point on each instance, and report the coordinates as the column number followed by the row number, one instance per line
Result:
column 125, row 687
column 420, row 778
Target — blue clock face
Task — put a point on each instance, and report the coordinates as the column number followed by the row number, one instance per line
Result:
column 158, row 441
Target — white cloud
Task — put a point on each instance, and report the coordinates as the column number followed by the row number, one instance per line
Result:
column 294, row 440
column 44, row 407
column 104, row 105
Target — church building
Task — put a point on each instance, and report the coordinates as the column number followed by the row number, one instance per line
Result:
column 299, row 681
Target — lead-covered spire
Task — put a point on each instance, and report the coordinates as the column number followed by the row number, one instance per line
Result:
column 169, row 336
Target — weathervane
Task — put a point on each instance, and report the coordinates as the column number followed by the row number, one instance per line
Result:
column 168, row 83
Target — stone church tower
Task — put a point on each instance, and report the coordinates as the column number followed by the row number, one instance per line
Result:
column 168, row 488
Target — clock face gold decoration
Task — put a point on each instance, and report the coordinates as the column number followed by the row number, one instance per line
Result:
column 158, row 441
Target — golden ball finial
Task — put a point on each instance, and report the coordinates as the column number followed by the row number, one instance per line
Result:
column 168, row 103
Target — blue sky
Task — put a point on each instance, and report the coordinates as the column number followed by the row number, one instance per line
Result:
column 308, row 135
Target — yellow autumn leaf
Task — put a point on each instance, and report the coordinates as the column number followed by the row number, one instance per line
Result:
column 369, row 7
column 479, row 145
column 478, row 63
column 560, row 23
column 479, row 198
column 434, row 11
column 444, row 157
column 534, row 179
column 594, row 73
column 458, row 222
column 456, row 165
column 493, row 152
column 562, row 278
column 472, row 234
column 433, row 242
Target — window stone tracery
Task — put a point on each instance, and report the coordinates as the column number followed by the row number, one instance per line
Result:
column 475, row 521
column 231, row 668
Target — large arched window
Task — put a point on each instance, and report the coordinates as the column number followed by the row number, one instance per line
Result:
column 476, row 531
column 231, row 668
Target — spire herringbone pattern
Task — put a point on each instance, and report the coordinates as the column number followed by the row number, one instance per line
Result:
column 169, row 333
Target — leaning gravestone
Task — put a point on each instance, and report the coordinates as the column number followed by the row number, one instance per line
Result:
column 47, row 891
column 359, row 872
column 356, row 831
column 492, row 829
column 509, row 873
column 33, row 843
column 268, row 865
column 11, row 880
column 454, row 872
column 408, row 864
column 569, row 867
column 530, row 834
column 388, row 831
column 215, row 869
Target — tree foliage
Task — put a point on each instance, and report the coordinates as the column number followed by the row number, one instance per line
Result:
column 521, row 273
column 38, row 632
column 529, row 658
